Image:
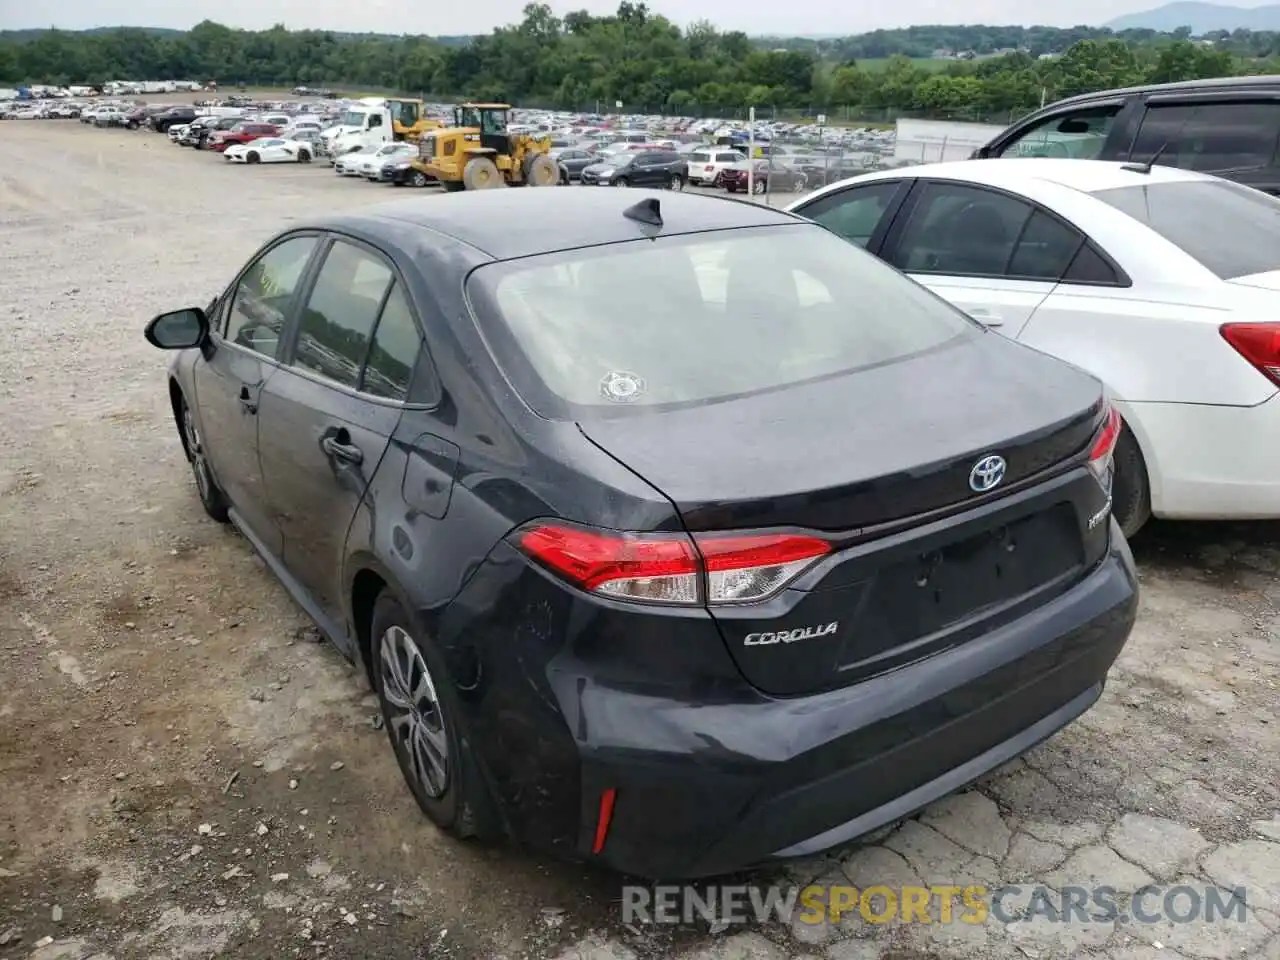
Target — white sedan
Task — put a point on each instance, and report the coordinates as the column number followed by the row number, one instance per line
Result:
column 270, row 150
column 348, row 164
column 1165, row 283
column 370, row 166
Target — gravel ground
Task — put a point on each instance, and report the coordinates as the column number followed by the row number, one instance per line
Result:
column 186, row 772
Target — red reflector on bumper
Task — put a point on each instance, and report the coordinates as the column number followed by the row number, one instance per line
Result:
column 603, row 819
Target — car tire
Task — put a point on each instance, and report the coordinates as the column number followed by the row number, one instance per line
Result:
column 621, row 182
column 304, row 156
column 211, row 496
column 676, row 183
column 252, row 157
column 418, row 179
column 799, row 184
column 1130, row 486
column 732, row 188
column 758, row 187
column 421, row 712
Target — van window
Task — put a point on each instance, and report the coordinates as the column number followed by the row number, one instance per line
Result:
column 1077, row 134
column 731, row 157
column 1208, row 137
column 1229, row 228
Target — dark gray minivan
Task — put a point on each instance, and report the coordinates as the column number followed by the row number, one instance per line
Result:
column 1228, row 127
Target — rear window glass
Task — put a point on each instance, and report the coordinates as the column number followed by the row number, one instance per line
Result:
column 699, row 158
column 1229, row 228
column 696, row 318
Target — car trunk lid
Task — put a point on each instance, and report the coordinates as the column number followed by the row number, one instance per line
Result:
column 879, row 463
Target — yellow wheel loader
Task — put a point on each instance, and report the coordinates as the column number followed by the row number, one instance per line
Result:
column 479, row 153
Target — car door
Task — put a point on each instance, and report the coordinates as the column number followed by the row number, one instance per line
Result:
column 1228, row 135
column 249, row 323
column 963, row 241
column 324, row 430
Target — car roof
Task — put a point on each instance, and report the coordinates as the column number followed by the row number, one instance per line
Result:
column 1181, row 86
column 511, row 223
column 1086, row 176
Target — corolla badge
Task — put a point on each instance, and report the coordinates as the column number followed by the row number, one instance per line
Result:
column 987, row 474
column 790, row 636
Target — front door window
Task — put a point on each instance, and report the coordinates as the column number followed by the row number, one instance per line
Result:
column 264, row 293
column 1077, row 134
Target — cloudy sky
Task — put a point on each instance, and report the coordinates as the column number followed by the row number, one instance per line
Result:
column 480, row 16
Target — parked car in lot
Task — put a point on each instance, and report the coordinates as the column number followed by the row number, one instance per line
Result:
column 767, row 176
column 642, row 168
column 269, row 150
column 1164, row 283
column 162, row 121
column 633, row 604
column 110, row 116
column 705, row 167
column 242, row 132
column 199, row 132
column 1226, row 126
column 573, row 160
column 399, row 170
column 348, row 164
column 370, row 166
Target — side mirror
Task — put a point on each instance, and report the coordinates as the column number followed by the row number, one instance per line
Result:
column 179, row 329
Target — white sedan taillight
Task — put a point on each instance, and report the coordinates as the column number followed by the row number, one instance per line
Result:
column 715, row 568
column 1104, row 446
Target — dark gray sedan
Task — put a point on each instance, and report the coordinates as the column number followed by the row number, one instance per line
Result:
column 572, row 161
column 616, row 499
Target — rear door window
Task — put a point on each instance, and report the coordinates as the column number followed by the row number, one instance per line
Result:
column 1229, row 228
column 394, row 353
column 338, row 319
column 1209, row 136
column 959, row 230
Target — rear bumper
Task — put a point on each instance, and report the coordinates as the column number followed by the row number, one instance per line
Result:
column 1209, row 462
column 722, row 777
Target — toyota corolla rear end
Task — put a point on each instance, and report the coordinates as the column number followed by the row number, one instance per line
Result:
column 875, row 559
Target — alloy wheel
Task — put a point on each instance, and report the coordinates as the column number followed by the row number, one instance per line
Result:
column 199, row 466
column 414, row 714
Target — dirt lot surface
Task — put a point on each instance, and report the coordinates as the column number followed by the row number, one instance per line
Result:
column 186, row 773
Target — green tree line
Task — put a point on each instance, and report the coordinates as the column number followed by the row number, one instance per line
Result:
column 652, row 65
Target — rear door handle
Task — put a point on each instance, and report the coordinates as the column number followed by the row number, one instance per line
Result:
column 338, row 449
column 247, row 403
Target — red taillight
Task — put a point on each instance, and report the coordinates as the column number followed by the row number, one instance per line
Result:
column 708, row 167
column 1259, row 343
column 1104, row 444
column 673, row 568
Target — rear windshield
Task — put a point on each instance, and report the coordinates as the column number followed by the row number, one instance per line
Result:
column 696, row 318
column 1229, row 228
column 699, row 158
